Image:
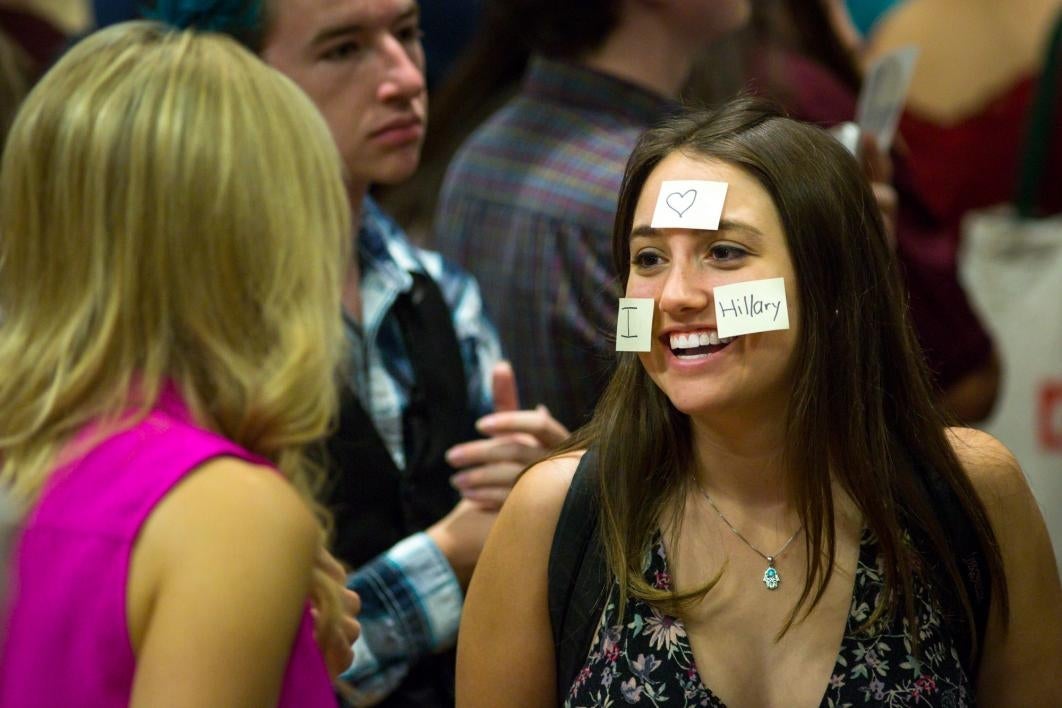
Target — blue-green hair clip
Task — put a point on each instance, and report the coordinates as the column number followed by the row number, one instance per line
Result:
column 241, row 19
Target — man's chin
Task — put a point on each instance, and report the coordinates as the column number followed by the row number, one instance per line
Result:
column 395, row 177
column 389, row 170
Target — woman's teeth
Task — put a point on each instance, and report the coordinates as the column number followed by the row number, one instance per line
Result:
column 690, row 340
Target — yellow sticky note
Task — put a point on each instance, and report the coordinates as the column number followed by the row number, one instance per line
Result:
column 634, row 324
column 751, row 306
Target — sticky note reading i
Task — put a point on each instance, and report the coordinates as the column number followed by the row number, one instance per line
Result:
column 752, row 306
column 689, row 204
column 634, row 324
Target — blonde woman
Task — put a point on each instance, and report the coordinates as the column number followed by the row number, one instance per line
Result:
column 174, row 224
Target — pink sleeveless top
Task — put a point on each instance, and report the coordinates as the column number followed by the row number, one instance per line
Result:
column 67, row 640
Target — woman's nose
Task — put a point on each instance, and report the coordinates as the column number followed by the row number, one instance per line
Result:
column 685, row 289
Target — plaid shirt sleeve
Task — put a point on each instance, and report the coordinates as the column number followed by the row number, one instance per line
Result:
column 411, row 607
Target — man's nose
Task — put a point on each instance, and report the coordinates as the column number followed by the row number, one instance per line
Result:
column 403, row 72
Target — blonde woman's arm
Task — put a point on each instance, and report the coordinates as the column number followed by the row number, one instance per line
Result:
column 217, row 587
column 1017, row 665
column 505, row 651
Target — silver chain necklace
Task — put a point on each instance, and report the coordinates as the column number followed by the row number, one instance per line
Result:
column 771, row 578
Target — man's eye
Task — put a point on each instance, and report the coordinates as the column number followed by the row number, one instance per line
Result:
column 341, row 51
column 411, row 34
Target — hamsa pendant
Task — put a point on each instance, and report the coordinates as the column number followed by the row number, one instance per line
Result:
column 771, row 578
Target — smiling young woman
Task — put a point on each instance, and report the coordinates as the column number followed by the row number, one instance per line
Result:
column 766, row 506
column 679, row 269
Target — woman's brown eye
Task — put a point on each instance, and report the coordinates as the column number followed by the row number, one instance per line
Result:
column 727, row 253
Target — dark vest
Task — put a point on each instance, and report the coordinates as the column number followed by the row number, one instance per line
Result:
column 375, row 504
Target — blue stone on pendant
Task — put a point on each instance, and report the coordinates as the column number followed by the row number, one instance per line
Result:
column 771, row 578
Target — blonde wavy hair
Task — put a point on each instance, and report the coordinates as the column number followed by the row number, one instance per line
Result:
column 172, row 212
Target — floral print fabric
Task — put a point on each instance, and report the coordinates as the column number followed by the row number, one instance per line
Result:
column 648, row 659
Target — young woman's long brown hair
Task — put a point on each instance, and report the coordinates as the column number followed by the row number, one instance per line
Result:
column 861, row 411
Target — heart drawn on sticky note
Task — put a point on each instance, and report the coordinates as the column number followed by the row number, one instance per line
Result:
column 681, row 203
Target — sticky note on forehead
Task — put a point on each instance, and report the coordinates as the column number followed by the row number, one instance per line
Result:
column 752, row 306
column 689, row 204
column 634, row 324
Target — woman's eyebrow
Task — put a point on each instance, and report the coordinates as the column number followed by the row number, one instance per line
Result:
column 724, row 225
column 644, row 230
column 742, row 226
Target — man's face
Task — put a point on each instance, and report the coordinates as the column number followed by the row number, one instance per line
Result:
column 362, row 63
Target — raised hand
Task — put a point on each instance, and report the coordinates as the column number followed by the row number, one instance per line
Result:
column 516, row 439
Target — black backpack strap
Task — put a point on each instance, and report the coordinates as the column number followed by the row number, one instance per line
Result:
column 970, row 558
column 578, row 576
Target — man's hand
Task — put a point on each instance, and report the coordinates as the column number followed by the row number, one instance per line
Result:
column 517, row 439
column 336, row 641
column 460, row 536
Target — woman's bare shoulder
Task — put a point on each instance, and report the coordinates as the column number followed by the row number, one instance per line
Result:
column 1017, row 653
column 991, row 467
column 1013, row 511
column 553, row 474
column 539, row 495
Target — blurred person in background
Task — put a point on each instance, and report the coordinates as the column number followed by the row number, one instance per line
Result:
column 29, row 41
column 866, row 14
column 968, row 105
column 68, row 17
column 15, row 79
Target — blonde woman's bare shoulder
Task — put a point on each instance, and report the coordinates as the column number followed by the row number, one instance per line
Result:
column 244, row 482
column 218, row 585
column 220, row 505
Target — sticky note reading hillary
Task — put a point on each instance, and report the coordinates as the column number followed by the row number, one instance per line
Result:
column 689, row 204
column 752, row 306
column 634, row 324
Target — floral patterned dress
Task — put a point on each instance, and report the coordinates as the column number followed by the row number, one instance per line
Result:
column 648, row 659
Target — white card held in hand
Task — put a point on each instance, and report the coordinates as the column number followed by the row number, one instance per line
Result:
column 884, row 94
column 689, row 204
column 634, row 324
column 752, row 306
column 848, row 135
